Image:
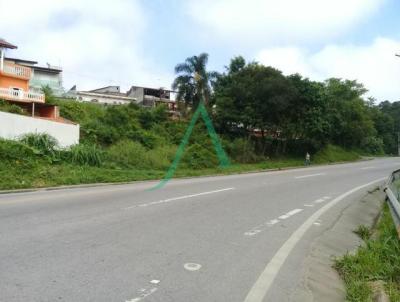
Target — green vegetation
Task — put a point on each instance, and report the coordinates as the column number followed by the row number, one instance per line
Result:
column 263, row 118
column 331, row 154
column 10, row 108
column 363, row 232
column 379, row 259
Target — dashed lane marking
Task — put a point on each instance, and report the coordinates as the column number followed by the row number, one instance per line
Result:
column 258, row 229
column 310, row 175
column 145, row 292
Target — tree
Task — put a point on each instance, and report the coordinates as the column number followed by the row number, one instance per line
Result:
column 253, row 96
column 348, row 113
column 236, row 64
column 193, row 81
column 388, row 125
column 308, row 113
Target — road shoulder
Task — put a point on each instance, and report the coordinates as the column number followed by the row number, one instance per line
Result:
column 321, row 282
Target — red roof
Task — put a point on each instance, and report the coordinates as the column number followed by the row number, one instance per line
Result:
column 5, row 44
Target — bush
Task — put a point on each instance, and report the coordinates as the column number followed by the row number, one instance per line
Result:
column 372, row 145
column 332, row 154
column 127, row 153
column 42, row 144
column 197, row 156
column 149, row 139
column 242, row 151
column 161, row 157
column 10, row 108
column 89, row 155
column 14, row 150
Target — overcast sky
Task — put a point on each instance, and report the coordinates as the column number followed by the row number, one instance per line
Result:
column 138, row 42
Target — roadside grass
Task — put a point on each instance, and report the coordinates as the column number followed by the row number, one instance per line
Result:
column 363, row 232
column 35, row 162
column 23, row 174
column 41, row 173
column 377, row 260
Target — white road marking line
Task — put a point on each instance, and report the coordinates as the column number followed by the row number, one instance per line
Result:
column 259, row 229
column 326, row 197
column 289, row 214
column 368, row 168
column 264, row 282
column 254, row 231
column 309, row 205
column 318, row 222
column 155, row 281
column 272, row 222
column 310, row 175
column 294, row 212
column 192, row 266
column 319, row 200
column 145, row 293
column 178, row 198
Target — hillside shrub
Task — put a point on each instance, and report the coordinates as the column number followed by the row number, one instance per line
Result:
column 372, row 145
column 161, row 157
column 331, row 153
column 42, row 144
column 127, row 153
column 84, row 154
column 241, row 150
column 197, row 156
column 14, row 150
column 10, row 108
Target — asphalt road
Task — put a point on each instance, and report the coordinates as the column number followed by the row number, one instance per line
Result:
column 229, row 238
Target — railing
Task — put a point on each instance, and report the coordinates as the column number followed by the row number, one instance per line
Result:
column 21, row 96
column 17, row 70
column 393, row 193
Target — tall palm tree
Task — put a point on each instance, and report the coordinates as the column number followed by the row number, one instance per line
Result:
column 193, row 80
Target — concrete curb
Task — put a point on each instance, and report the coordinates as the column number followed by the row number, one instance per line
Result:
column 93, row 185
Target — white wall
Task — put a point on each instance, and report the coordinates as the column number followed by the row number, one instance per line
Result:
column 13, row 126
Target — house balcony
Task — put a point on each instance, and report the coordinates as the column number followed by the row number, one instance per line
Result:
column 21, row 96
column 15, row 70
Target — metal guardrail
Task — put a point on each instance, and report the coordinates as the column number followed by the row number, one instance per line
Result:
column 392, row 190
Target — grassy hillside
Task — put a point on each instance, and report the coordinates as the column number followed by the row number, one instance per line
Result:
column 127, row 143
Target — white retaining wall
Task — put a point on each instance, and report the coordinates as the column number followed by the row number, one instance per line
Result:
column 12, row 126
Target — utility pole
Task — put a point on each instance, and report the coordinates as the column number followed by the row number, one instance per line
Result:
column 398, row 133
column 398, row 143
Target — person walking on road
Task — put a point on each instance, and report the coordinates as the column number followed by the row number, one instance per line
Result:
column 308, row 159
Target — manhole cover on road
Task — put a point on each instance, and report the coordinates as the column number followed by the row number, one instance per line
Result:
column 192, row 266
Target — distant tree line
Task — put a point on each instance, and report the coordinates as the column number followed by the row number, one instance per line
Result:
column 288, row 114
